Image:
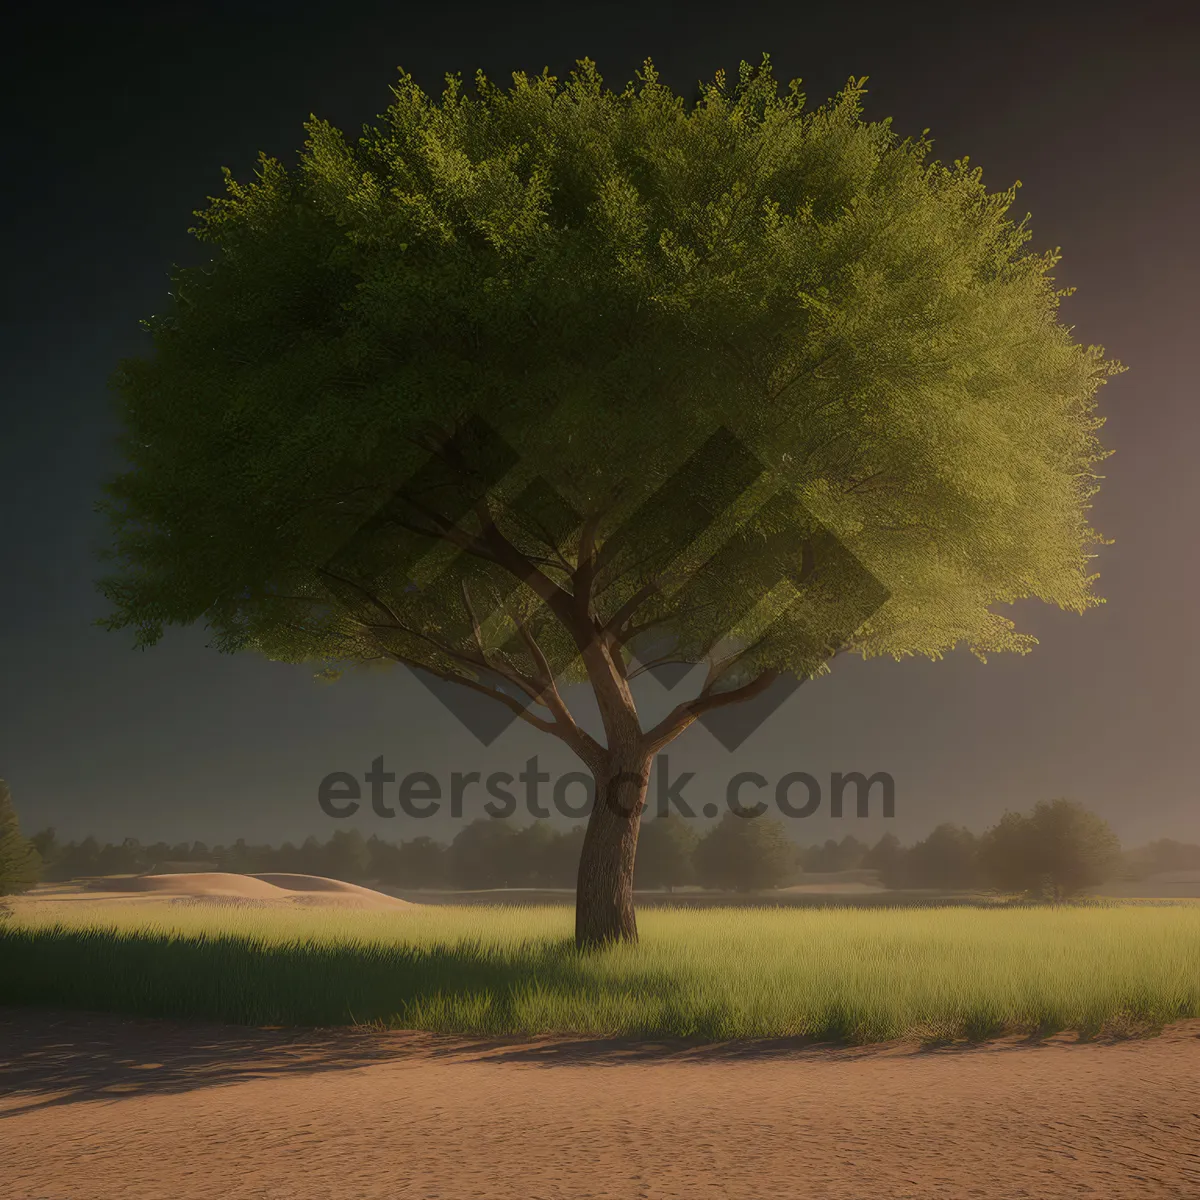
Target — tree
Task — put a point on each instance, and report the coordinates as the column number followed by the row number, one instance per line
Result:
column 552, row 385
column 241, row 859
column 384, row 860
column 127, row 858
column 567, row 851
column 889, row 858
column 665, row 849
column 1055, row 852
column 79, row 859
column 1166, row 854
column 347, row 856
column 947, row 858
column 846, row 855
column 46, row 843
column 534, row 854
column 744, row 854
column 19, row 863
column 482, row 855
column 309, row 857
column 422, row 863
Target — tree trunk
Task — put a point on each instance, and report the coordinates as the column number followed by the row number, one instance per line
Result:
column 604, row 891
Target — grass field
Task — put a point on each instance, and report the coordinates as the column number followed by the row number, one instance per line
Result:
column 853, row 975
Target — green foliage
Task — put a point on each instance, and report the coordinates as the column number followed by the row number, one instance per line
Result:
column 605, row 278
column 1056, row 851
column 20, row 866
column 744, row 854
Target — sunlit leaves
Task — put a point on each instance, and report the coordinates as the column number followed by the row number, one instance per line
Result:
column 606, row 278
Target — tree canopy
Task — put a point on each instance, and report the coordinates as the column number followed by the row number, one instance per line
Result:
column 555, row 382
column 612, row 276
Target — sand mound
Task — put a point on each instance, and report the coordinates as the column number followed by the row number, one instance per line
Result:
column 223, row 887
column 308, row 883
column 196, row 883
column 317, row 890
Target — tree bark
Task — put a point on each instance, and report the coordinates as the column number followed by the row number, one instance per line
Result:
column 604, row 892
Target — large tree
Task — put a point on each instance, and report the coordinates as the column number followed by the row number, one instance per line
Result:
column 552, row 384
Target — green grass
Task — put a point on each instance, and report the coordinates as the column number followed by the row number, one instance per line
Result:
column 856, row 975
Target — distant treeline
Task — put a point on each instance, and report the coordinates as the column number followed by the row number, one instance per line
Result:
column 1056, row 850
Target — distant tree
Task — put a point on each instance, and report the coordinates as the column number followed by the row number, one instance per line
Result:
column 744, row 854
column 241, row 859
column 45, row 842
column 20, row 866
column 849, row 854
column 346, row 856
column 665, row 849
column 124, row 858
column 818, row 859
column 948, row 858
column 610, row 279
column 79, row 860
column 534, row 855
column 287, row 858
column 1054, row 852
column 885, row 857
column 1166, row 854
column 422, row 862
column 310, row 857
column 481, row 855
column 567, row 849
column 846, row 855
column 384, row 860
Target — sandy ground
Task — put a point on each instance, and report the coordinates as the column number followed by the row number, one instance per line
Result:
column 208, row 887
column 100, row 1108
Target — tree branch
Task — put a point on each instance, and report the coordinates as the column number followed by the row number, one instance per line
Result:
column 508, row 701
column 588, row 749
column 676, row 721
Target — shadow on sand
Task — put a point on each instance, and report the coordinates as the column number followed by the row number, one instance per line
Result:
column 49, row 1059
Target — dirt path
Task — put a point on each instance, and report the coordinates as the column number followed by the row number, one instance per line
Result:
column 99, row 1108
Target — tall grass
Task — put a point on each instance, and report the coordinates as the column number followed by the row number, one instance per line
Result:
column 843, row 974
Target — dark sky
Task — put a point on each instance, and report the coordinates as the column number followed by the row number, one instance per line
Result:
column 116, row 127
